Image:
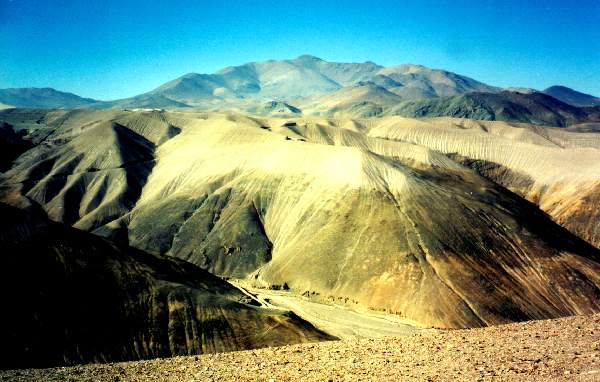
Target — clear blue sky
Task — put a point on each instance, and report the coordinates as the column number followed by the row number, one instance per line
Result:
column 118, row 48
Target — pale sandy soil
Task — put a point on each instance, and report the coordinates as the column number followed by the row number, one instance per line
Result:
column 340, row 321
column 554, row 350
column 335, row 319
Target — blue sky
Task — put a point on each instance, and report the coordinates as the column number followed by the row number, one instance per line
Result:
column 114, row 49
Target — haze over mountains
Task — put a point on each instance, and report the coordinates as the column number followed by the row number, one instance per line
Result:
column 312, row 86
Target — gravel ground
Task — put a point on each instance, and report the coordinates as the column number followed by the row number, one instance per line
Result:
column 551, row 350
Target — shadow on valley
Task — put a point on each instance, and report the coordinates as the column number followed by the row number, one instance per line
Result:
column 73, row 297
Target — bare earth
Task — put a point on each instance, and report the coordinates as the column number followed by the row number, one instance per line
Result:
column 337, row 320
column 550, row 350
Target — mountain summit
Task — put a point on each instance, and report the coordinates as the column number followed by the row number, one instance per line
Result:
column 312, row 86
column 307, row 76
column 572, row 97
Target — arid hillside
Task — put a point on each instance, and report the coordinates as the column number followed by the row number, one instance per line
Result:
column 551, row 167
column 390, row 214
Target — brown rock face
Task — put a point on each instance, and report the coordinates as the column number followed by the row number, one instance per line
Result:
column 72, row 297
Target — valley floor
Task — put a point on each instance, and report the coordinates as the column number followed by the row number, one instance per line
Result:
column 549, row 350
column 336, row 320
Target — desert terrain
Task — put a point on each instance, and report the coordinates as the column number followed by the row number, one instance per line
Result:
column 301, row 220
column 566, row 349
column 336, row 209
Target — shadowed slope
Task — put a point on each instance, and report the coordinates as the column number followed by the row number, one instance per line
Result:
column 100, row 172
column 12, row 145
column 75, row 298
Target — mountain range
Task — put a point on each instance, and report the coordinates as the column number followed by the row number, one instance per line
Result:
column 312, row 86
column 243, row 209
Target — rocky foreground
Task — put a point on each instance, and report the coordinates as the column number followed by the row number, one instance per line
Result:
column 549, row 350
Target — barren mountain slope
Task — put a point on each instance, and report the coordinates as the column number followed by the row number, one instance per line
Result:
column 272, row 79
column 75, row 297
column 416, row 81
column 572, row 97
column 325, row 210
column 42, row 97
column 12, row 145
column 247, row 86
column 86, row 165
column 556, row 169
column 381, row 92
column 277, row 108
column 364, row 99
column 536, row 108
column 382, row 95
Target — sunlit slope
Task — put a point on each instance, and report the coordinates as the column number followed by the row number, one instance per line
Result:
column 386, row 228
column 76, row 298
column 318, row 206
column 558, row 170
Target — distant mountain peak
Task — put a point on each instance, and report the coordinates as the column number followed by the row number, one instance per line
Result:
column 308, row 57
column 298, row 81
column 46, row 97
column 572, row 97
column 409, row 68
column 559, row 87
